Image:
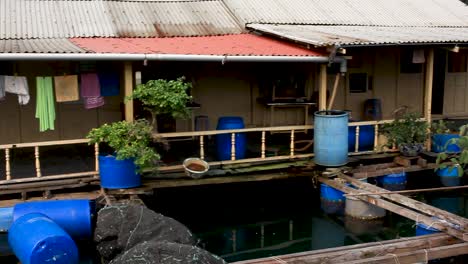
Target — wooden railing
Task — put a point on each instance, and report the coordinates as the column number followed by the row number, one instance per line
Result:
column 37, row 161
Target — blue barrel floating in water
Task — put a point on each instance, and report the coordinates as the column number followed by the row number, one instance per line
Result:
column 331, row 200
column 422, row 229
column 36, row 239
column 366, row 138
column 331, row 138
column 118, row 174
column 449, row 176
column 439, row 143
column 394, row 181
column 74, row 216
column 223, row 141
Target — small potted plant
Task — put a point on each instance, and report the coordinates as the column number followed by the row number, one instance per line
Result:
column 407, row 133
column 130, row 152
column 452, row 166
column 164, row 97
column 441, row 134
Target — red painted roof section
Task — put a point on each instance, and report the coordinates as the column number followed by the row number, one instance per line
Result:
column 240, row 44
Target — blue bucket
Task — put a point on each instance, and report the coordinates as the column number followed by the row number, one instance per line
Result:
column 36, row 239
column 422, row 229
column 74, row 216
column 394, row 181
column 439, row 143
column 331, row 138
column 118, row 174
column 223, row 141
column 366, row 138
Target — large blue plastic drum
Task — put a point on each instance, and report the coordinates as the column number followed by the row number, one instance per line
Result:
column 223, row 141
column 331, row 138
column 36, row 239
column 118, row 174
column 366, row 138
column 422, row 229
column 74, row 216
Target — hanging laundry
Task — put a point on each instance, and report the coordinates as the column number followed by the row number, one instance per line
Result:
column 45, row 108
column 18, row 85
column 66, row 88
column 110, row 85
column 2, row 87
column 91, row 91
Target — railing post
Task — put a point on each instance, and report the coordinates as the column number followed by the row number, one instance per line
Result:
column 202, row 148
column 233, row 146
column 96, row 156
column 376, row 136
column 7, row 164
column 38, row 163
column 356, row 149
column 292, row 144
column 263, row 144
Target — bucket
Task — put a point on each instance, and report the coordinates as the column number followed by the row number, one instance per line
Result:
column 362, row 210
column 439, row 143
column 223, row 141
column 394, row 181
column 331, row 138
column 422, row 229
column 118, row 174
column 449, row 176
column 331, row 200
column 366, row 138
column 373, row 109
column 36, row 239
column 74, row 216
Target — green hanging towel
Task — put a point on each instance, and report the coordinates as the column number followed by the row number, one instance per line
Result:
column 45, row 107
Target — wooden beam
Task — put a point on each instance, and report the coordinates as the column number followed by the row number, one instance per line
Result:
column 128, row 90
column 428, row 89
column 323, row 87
column 439, row 189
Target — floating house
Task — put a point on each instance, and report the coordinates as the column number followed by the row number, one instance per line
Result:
column 66, row 66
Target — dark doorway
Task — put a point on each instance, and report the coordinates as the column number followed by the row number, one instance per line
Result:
column 440, row 61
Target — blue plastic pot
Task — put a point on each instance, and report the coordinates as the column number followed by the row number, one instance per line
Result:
column 422, row 229
column 449, row 177
column 74, row 216
column 36, row 239
column 439, row 143
column 118, row 174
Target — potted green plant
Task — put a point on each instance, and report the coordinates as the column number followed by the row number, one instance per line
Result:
column 408, row 133
column 452, row 166
column 164, row 97
column 130, row 152
column 440, row 135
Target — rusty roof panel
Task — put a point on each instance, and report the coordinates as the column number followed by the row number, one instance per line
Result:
column 38, row 46
column 447, row 13
column 21, row 19
column 363, row 35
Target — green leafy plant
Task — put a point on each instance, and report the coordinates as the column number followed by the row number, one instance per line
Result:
column 129, row 140
column 441, row 127
column 457, row 161
column 164, row 97
column 406, row 130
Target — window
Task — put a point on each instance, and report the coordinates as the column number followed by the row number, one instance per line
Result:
column 358, row 82
column 456, row 62
column 406, row 62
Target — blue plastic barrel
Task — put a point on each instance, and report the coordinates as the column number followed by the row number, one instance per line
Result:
column 331, row 138
column 331, row 200
column 366, row 138
column 439, row 143
column 449, row 176
column 36, row 239
column 394, row 181
column 330, row 193
column 6, row 218
column 118, row 174
column 223, row 141
column 74, row 216
column 422, row 229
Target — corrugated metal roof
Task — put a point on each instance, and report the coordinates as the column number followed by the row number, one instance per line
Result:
column 427, row 13
column 38, row 46
column 242, row 44
column 22, row 19
column 363, row 35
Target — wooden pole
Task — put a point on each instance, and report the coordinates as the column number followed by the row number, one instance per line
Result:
column 335, row 88
column 428, row 90
column 128, row 88
column 323, row 87
column 412, row 191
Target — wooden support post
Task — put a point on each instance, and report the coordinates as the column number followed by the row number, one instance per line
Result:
column 38, row 163
column 428, row 90
column 233, row 146
column 96, row 156
column 128, row 88
column 7, row 164
column 335, row 88
column 356, row 147
column 202, row 148
column 292, row 144
column 323, row 87
column 263, row 144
